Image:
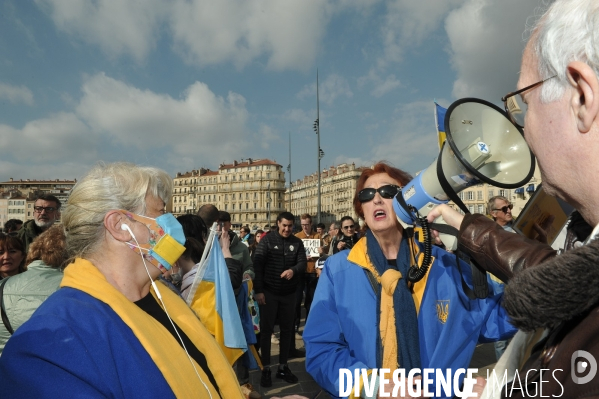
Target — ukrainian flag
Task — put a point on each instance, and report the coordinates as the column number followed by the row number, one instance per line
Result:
column 214, row 303
column 440, row 120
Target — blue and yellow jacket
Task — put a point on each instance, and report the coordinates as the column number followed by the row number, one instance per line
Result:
column 342, row 327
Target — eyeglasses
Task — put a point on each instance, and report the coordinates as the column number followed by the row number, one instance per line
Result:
column 389, row 191
column 505, row 208
column 515, row 105
column 40, row 209
column 351, row 226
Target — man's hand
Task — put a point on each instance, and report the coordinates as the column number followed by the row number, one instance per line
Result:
column 225, row 243
column 318, row 271
column 287, row 274
column 320, row 250
column 450, row 216
column 341, row 245
column 477, row 388
column 260, row 299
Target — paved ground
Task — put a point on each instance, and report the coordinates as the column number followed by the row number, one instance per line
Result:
column 484, row 357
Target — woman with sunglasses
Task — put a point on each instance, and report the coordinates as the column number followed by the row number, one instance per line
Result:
column 366, row 314
column 348, row 236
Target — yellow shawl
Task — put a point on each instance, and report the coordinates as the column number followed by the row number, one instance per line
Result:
column 167, row 353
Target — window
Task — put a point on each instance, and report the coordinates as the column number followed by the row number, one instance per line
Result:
column 255, row 205
column 233, row 196
column 490, row 194
column 481, row 209
column 247, row 196
column 247, row 205
column 226, row 197
column 461, row 195
column 471, row 208
column 479, row 195
column 255, row 216
column 233, row 206
column 268, row 175
column 470, row 195
column 502, row 193
column 226, row 206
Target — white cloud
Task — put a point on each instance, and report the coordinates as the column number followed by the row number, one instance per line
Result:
column 56, row 146
column 332, row 87
column 116, row 121
column 486, row 44
column 200, row 125
column 381, row 86
column 16, row 94
column 287, row 32
column 407, row 23
column 411, row 140
column 127, row 27
column 267, row 135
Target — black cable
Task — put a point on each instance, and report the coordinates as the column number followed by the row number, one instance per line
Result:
column 416, row 273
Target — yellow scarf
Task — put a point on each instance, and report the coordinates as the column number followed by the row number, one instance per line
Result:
column 388, row 281
column 165, row 351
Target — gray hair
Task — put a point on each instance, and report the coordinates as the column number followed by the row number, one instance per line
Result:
column 568, row 31
column 491, row 203
column 107, row 187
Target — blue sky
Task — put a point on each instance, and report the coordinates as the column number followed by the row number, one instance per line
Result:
column 183, row 84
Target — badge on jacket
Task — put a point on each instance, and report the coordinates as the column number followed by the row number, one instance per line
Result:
column 443, row 310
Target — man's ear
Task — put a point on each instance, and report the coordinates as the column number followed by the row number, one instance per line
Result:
column 113, row 222
column 585, row 97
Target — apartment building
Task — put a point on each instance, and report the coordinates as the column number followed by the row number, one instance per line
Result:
column 251, row 190
column 476, row 198
column 338, row 185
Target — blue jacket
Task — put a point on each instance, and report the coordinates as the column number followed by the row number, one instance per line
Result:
column 342, row 327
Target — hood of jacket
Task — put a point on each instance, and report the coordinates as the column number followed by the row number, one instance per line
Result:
column 556, row 291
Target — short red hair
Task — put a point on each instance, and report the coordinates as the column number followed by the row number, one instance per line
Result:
column 401, row 177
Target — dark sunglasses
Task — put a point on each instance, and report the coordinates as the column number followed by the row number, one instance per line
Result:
column 40, row 209
column 505, row 208
column 351, row 226
column 389, row 191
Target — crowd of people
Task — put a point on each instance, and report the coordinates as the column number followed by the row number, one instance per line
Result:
column 93, row 299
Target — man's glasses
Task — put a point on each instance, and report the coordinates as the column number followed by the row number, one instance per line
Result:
column 389, row 191
column 40, row 209
column 505, row 208
column 515, row 106
column 351, row 226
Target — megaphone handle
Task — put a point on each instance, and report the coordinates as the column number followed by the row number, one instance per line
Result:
column 447, row 234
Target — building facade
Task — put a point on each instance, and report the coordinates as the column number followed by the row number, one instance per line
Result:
column 338, row 185
column 476, row 198
column 252, row 191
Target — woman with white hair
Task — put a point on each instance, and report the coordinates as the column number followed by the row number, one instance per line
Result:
column 111, row 331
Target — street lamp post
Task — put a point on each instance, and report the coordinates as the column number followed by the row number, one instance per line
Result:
column 319, row 151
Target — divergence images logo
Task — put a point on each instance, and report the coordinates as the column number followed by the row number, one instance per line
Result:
column 582, row 362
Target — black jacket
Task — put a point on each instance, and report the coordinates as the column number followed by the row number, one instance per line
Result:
column 273, row 256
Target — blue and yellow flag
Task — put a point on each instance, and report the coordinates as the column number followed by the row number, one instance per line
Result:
column 440, row 120
column 214, row 303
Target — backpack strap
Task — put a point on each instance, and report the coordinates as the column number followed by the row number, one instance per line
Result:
column 4, row 315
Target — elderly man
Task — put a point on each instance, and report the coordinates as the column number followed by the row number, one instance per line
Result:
column 559, row 96
column 500, row 210
column 46, row 211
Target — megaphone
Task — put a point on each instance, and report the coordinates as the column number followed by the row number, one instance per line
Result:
column 482, row 145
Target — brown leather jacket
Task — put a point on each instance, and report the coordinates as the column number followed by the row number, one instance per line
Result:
column 560, row 294
column 500, row 252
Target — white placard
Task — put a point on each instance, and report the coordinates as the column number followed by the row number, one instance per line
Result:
column 312, row 245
